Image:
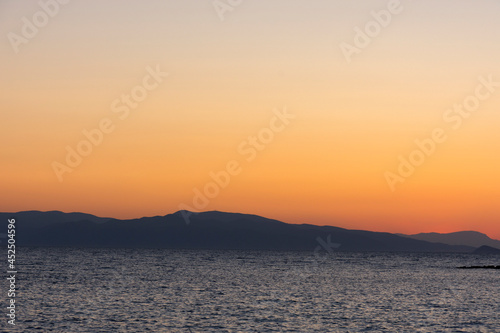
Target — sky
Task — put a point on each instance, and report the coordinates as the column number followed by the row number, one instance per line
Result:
column 375, row 115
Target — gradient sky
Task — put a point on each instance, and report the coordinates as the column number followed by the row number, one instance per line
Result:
column 225, row 79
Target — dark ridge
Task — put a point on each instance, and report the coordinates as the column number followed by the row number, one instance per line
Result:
column 469, row 238
column 206, row 230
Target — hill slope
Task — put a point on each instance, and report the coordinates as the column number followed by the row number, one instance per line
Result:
column 468, row 238
column 208, row 230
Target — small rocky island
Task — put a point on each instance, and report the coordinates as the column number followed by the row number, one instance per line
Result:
column 483, row 250
column 486, row 250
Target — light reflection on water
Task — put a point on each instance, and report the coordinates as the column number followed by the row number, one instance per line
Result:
column 114, row 290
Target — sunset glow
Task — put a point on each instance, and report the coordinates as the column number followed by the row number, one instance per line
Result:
column 264, row 104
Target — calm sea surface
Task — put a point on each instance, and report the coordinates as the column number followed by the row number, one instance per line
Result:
column 111, row 290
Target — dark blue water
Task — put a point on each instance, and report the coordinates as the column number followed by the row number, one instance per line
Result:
column 103, row 290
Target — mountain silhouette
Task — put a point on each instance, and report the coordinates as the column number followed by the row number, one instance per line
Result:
column 469, row 238
column 207, row 230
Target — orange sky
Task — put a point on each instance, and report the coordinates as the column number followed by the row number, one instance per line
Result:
column 226, row 81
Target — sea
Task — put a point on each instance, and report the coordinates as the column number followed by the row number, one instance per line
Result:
column 162, row 290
